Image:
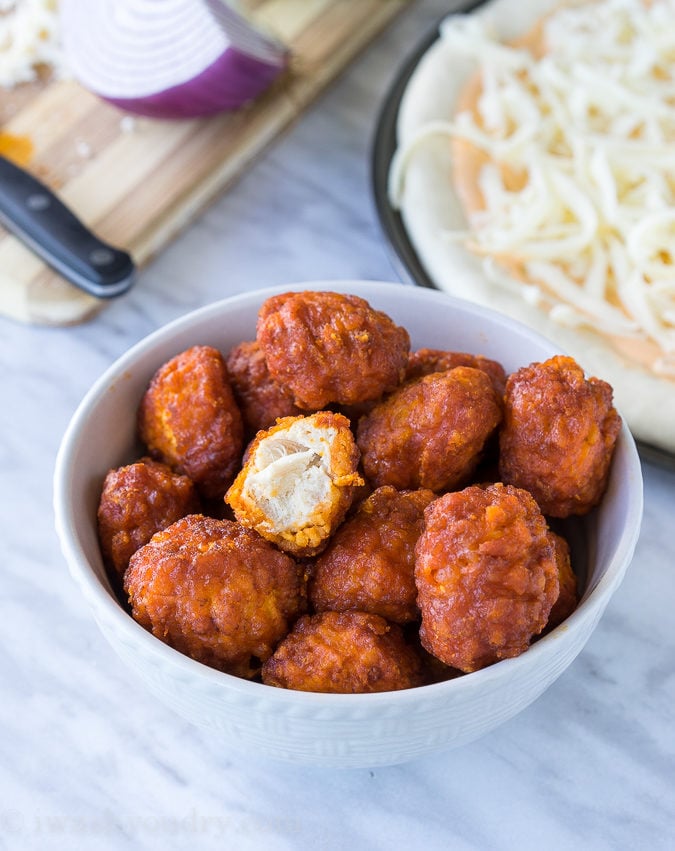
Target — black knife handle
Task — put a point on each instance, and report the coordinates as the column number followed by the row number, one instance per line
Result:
column 33, row 213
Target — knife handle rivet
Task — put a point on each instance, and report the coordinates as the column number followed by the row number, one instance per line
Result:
column 38, row 202
column 101, row 257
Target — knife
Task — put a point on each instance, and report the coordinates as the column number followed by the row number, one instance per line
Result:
column 33, row 213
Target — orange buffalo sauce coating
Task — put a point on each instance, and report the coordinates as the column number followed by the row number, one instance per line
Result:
column 486, row 574
column 414, row 586
column 558, row 435
column 215, row 591
column 344, row 653
column 369, row 564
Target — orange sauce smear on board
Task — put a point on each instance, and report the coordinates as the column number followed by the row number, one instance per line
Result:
column 18, row 149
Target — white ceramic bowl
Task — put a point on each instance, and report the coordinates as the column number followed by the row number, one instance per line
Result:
column 337, row 730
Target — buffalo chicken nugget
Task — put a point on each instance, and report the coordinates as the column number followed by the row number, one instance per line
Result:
column 136, row 501
column 431, row 432
column 486, row 575
column 298, row 481
column 369, row 562
column 328, row 348
column 434, row 670
column 425, row 361
column 558, row 436
column 261, row 400
column 343, row 653
column 216, row 592
column 568, row 598
column 189, row 419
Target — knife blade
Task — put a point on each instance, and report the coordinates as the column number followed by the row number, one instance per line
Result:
column 33, row 213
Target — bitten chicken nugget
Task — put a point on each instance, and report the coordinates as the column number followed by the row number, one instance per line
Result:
column 189, row 419
column 261, row 400
column 343, row 653
column 298, row 481
column 558, row 436
column 430, row 433
column 425, row 361
column 369, row 563
column 328, row 348
column 216, row 592
column 486, row 575
column 136, row 501
column 568, row 598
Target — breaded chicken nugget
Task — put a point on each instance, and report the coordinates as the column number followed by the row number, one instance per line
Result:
column 434, row 671
column 343, row 653
column 558, row 436
column 369, row 563
column 328, row 348
column 298, row 481
column 486, row 575
column 425, row 361
column 189, row 419
column 430, row 433
column 261, row 400
column 568, row 598
column 216, row 592
column 136, row 501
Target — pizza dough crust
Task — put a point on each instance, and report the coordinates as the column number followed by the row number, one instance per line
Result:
column 646, row 402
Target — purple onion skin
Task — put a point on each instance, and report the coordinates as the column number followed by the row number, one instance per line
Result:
column 230, row 82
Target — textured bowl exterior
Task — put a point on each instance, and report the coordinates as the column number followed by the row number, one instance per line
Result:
column 330, row 730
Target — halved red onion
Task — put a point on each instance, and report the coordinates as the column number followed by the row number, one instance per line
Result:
column 168, row 58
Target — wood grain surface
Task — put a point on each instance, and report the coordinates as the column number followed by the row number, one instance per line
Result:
column 137, row 182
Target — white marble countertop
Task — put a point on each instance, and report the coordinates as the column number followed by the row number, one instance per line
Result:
column 89, row 759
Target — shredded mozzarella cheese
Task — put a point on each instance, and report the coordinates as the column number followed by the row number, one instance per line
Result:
column 590, row 126
column 29, row 38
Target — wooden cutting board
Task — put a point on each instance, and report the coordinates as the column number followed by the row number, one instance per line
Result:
column 136, row 181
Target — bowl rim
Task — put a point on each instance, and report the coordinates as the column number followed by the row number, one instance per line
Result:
column 103, row 602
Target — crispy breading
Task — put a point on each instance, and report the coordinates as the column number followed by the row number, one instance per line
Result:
column 568, row 598
column 486, row 575
column 558, row 435
column 369, row 563
column 215, row 591
column 431, row 432
column 136, row 501
column 298, row 481
column 425, row 361
column 189, row 419
column 261, row 399
column 328, row 348
column 343, row 652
